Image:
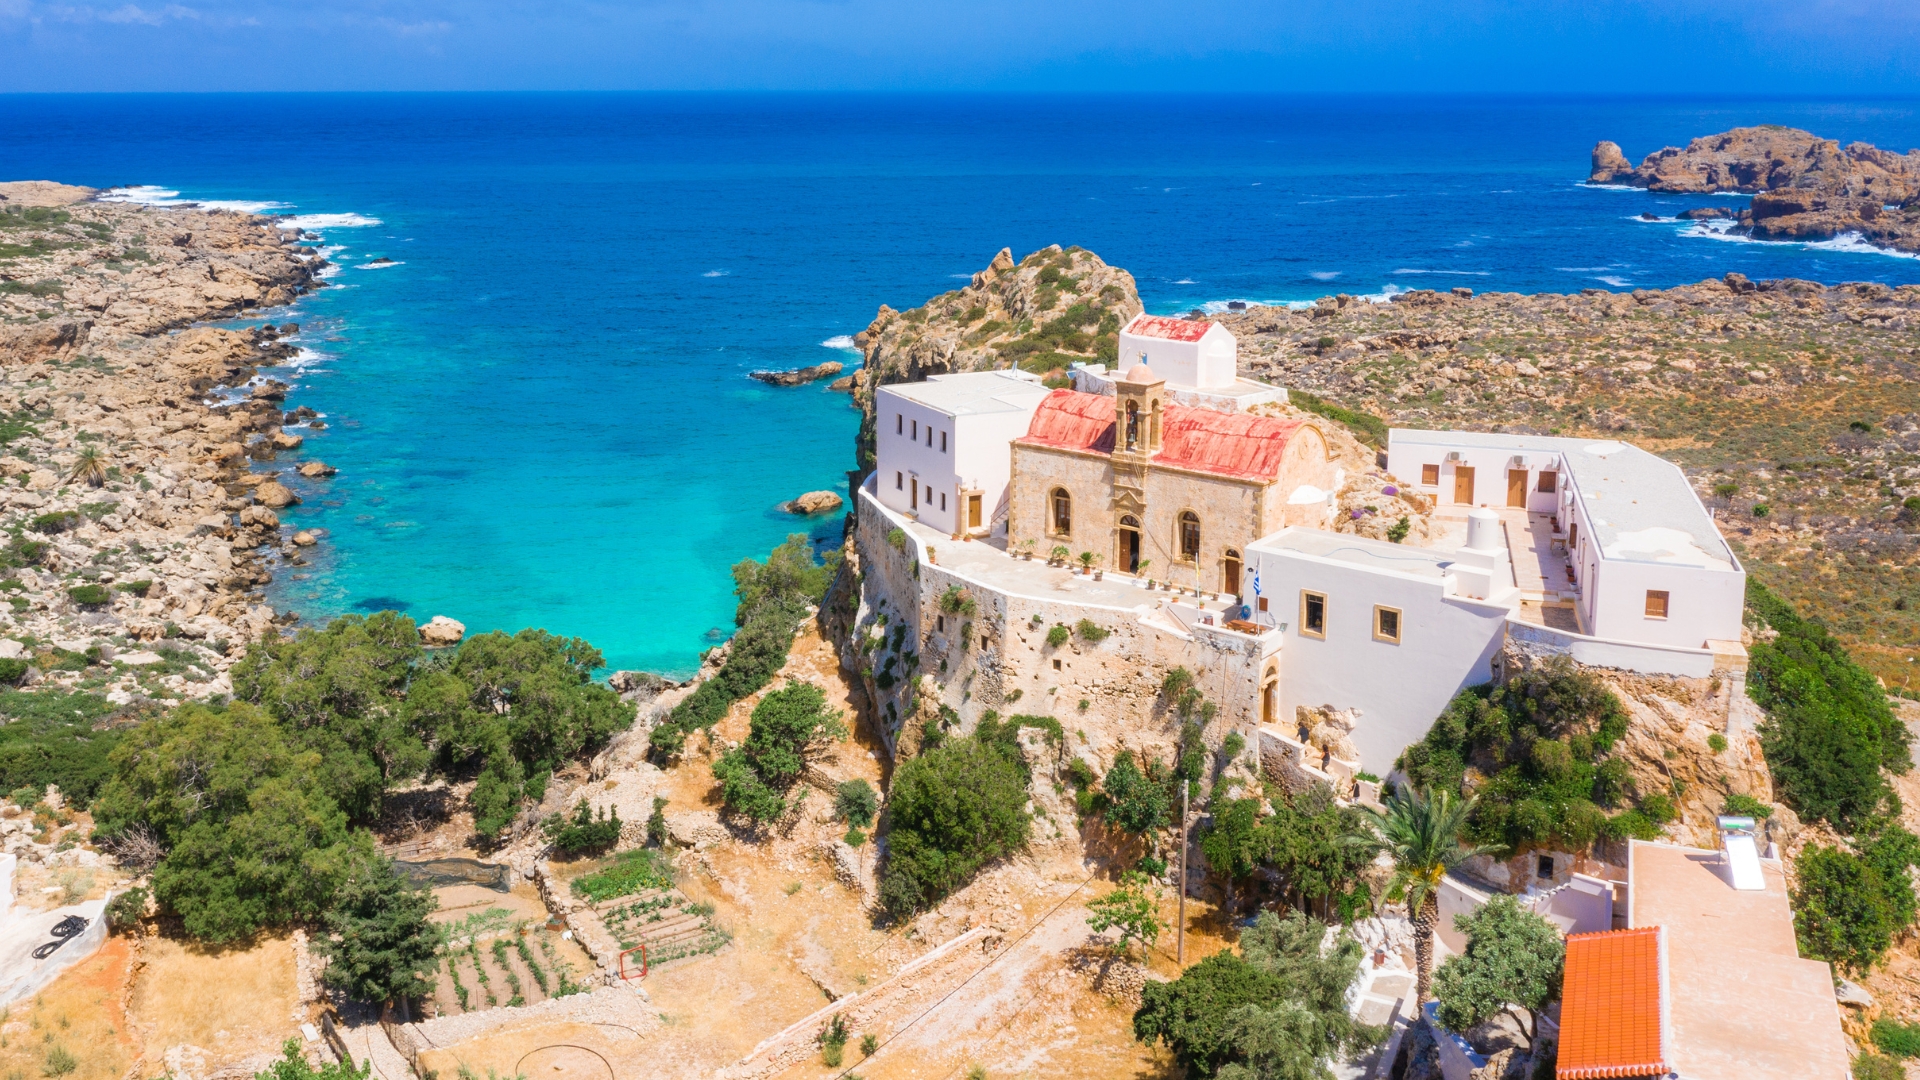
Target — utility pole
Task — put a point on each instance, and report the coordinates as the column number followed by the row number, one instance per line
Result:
column 1180, row 949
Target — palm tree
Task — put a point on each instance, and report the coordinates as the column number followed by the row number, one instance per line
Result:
column 1420, row 832
column 89, row 466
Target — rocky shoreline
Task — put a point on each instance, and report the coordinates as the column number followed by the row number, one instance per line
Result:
column 140, row 536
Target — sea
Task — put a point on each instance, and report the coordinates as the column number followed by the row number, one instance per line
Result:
column 532, row 358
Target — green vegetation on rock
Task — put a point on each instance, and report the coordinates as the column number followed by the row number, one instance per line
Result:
column 54, row 737
column 787, row 725
column 950, row 812
column 1513, row 957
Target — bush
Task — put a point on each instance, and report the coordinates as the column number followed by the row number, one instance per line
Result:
column 629, row 872
column 57, row 521
column 1057, row 635
column 584, row 832
column 1135, row 802
column 1512, row 956
column 1829, row 731
column 786, row 726
column 90, row 595
column 1398, row 531
column 1746, row 806
column 1091, row 632
column 1872, row 1066
column 657, row 823
column 951, row 811
column 1717, row 743
column 1841, row 910
column 127, row 909
column 1895, row 1038
column 1370, row 429
column 293, row 1066
column 856, row 802
column 958, row 601
column 49, row 737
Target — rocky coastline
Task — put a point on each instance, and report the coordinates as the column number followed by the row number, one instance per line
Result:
column 140, row 533
column 1803, row 187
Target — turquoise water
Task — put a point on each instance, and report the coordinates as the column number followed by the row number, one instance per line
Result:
column 541, row 414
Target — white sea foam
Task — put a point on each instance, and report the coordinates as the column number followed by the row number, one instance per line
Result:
column 1642, row 218
column 1584, row 269
column 1450, row 273
column 151, row 195
column 1851, row 243
column 317, row 222
column 839, row 341
column 1614, row 280
column 1324, row 275
column 716, row 273
column 1608, row 187
column 1216, row 307
column 1184, row 281
column 381, row 265
column 1854, row 242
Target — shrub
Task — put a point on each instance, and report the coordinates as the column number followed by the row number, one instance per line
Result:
column 137, row 588
column 1136, row 802
column 127, row 909
column 1370, row 429
column 58, row 1061
column 1512, row 956
column 786, row 726
column 56, row 521
column 1746, row 806
column 657, row 823
column 1895, row 1038
column 856, row 802
column 47, row 737
column 958, row 601
column 628, row 873
column 1871, row 1066
column 1829, row 731
column 951, row 811
column 293, row 1066
column 1398, row 531
column 1057, row 635
column 1090, row 631
column 833, row 1041
column 90, row 595
column 1841, row 910
column 1717, row 743
column 584, row 832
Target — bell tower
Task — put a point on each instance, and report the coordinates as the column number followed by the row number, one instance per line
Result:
column 1138, row 402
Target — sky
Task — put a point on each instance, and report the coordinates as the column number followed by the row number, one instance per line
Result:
column 1839, row 47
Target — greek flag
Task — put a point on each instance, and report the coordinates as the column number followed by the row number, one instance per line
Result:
column 1253, row 578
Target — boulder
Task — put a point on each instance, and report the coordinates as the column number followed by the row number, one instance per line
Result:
column 283, row 441
column 275, row 495
column 35, row 343
column 799, row 376
column 304, row 538
column 815, row 502
column 313, row 470
column 441, row 631
column 1608, row 162
column 696, row 829
column 842, row 385
column 42, row 480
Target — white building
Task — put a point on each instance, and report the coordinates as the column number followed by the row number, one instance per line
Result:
column 941, row 446
column 1199, row 361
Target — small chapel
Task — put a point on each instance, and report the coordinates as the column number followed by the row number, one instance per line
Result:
column 1167, row 490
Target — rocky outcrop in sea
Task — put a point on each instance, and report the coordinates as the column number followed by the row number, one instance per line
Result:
column 143, row 476
column 1803, row 187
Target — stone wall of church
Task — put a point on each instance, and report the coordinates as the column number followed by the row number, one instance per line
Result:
column 1229, row 513
column 1088, row 478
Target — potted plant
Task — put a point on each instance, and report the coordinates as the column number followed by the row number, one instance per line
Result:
column 1098, row 573
column 1086, row 562
column 1059, row 555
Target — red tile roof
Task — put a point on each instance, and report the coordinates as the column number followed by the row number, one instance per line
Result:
column 1227, row 444
column 1160, row 326
column 1610, row 1006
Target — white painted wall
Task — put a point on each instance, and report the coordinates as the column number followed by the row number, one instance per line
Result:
column 1489, row 464
column 1702, row 604
column 1211, row 362
column 1446, row 644
column 926, row 456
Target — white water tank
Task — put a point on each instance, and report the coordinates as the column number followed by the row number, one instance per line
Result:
column 1483, row 530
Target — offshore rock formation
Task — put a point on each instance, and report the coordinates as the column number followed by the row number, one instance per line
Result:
column 123, row 468
column 798, row 376
column 1050, row 309
column 1804, row 187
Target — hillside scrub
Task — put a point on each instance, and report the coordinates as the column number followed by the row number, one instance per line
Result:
column 1277, row 1008
column 56, row 737
column 773, row 598
column 787, row 726
column 1829, row 731
column 950, row 812
column 1542, row 741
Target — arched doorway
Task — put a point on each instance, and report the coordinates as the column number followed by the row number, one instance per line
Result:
column 1270, row 696
column 1230, row 573
column 1129, row 539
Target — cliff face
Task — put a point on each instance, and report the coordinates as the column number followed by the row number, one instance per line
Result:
column 1804, row 187
column 1052, row 308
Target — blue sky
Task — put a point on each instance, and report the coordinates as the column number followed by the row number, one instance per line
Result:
column 1686, row 46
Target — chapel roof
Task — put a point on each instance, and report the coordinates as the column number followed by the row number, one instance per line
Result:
column 1610, row 1006
column 1167, row 328
column 1237, row 445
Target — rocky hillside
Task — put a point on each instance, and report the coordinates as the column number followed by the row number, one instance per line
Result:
column 1052, row 308
column 1804, row 187
column 1795, row 408
column 139, row 537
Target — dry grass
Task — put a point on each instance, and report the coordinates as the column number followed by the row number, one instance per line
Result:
column 231, row 1003
column 79, row 1013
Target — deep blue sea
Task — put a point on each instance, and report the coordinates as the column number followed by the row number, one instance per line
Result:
column 541, row 413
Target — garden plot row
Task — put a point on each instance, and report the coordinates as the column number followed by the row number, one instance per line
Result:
column 517, row 968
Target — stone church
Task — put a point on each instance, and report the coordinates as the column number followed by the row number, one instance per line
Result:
column 1165, row 490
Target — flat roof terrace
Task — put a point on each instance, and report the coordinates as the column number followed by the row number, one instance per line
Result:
column 973, row 392
column 1358, row 551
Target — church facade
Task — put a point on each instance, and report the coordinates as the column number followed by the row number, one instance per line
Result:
column 1160, row 489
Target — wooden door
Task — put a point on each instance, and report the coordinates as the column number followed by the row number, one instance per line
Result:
column 973, row 511
column 913, row 497
column 1517, row 487
column 1230, row 575
column 1463, row 484
column 1130, row 550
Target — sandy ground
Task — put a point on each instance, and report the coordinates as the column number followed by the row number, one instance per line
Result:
column 81, row 1014
column 224, row 1005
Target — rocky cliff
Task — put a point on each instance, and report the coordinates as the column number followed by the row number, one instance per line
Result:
column 1052, row 308
column 141, row 534
column 1804, row 187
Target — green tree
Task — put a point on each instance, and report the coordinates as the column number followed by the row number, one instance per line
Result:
column 786, row 726
column 1135, row 803
column 293, row 1066
column 1133, row 909
column 1235, row 843
column 1841, row 913
column 1420, row 832
column 1278, row 1009
column 1513, row 957
column 1320, row 850
column 856, row 803
column 380, row 945
column 951, row 811
column 790, row 573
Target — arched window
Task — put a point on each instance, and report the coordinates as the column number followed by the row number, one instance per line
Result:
column 1189, row 535
column 1062, row 512
column 1133, row 425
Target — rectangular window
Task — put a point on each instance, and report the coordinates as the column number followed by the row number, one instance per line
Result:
column 940, row 623
column 1056, row 665
column 916, row 431
column 943, row 500
column 1549, row 482
column 1545, row 867
column 1261, row 603
column 943, row 442
column 899, row 423
column 1386, row 624
column 1313, row 614
column 929, row 435
column 1656, row 603
column 899, row 482
column 1430, row 475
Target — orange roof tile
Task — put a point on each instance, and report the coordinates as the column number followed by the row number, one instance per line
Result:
column 1228, row 444
column 1610, row 1006
column 1168, row 328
